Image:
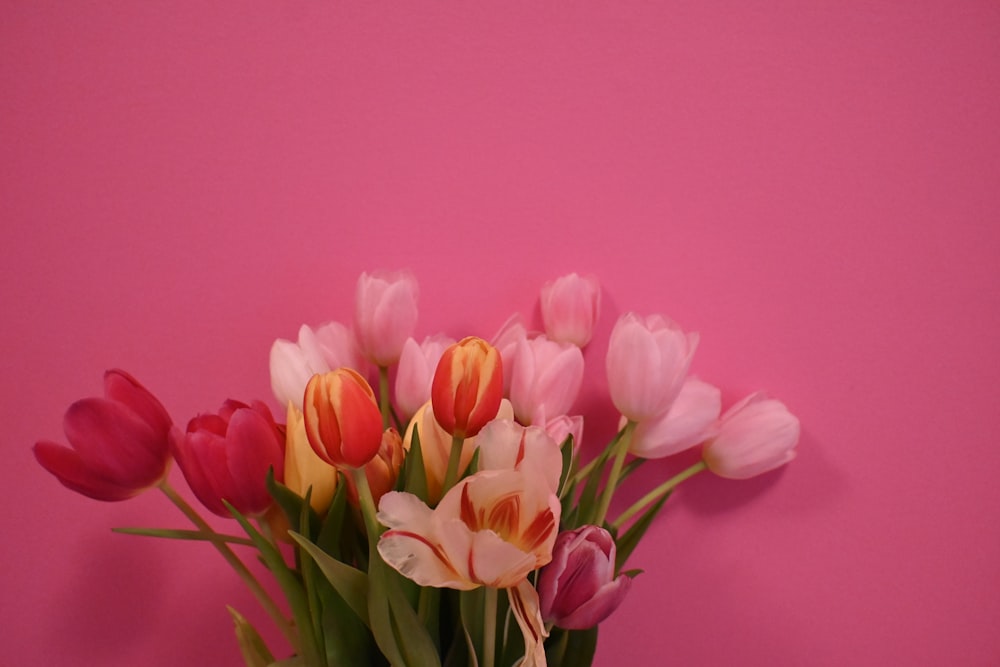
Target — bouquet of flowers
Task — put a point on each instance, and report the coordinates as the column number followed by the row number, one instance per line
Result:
column 448, row 517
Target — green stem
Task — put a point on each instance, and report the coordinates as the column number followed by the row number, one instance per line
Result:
column 383, row 394
column 489, row 626
column 234, row 561
column 368, row 511
column 621, row 449
column 451, row 476
column 658, row 492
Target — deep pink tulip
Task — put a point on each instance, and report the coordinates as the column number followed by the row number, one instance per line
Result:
column 226, row 456
column 385, row 315
column 570, row 308
column 647, row 363
column 415, row 372
column 688, row 422
column 545, row 379
column 578, row 589
column 756, row 435
column 119, row 444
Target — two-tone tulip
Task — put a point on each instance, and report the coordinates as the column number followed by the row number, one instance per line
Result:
column 226, row 457
column 119, row 444
column 304, row 469
column 467, row 387
column 382, row 471
column 342, row 419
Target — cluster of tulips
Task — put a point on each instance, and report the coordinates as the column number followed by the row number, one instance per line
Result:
column 392, row 520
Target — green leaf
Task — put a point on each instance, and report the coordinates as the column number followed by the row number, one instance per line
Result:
column 331, row 533
column 632, row 574
column 398, row 631
column 172, row 534
column 252, row 646
column 350, row 583
column 580, row 648
column 471, row 608
column 629, row 468
column 630, row 538
column 414, row 476
column 587, row 503
column 568, row 460
column 290, row 502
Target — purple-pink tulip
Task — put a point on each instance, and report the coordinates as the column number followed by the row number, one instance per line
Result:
column 578, row 589
column 119, row 444
column 570, row 308
column 226, row 456
column 416, row 369
column 545, row 379
column 385, row 315
column 756, row 435
column 647, row 362
column 689, row 421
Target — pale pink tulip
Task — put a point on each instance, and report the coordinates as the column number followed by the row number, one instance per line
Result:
column 506, row 445
column 688, row 422
column 505, row 341
column 545, row 379
column 570, row 308
column 647, row 363
column 415, row 372
column 578, row 589
column 385, row 315
column 754, row 436
column 435, row 445
column 329, row 347
column 564, row 426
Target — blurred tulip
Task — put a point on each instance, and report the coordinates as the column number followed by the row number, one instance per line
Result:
column 467, row 387
column 506, row 445
column 688, row 422
column 292, row 364
column 505, row 341
column 342, row 419
column 754, row 436
column 385, row 314
column 564, row 426
column 545, row 379
column 415, row 372
column 304, row 469
column 226, row 456
column 647, row 363
column 578, row 589
column 382, row 471
column 119, row 444
column 570, row 308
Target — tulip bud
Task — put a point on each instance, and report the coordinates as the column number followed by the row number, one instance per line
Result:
column 383, row 470
column 647, row 363
column 688, row 422
column 385, row 315
column 415, row 372
column 756, row 435
column 570, row 307
column 304, row 469
column 578, row 588
column 545, row 379
column 226, row 456
column 467, row 387
column 342, row 419
column 119, row 444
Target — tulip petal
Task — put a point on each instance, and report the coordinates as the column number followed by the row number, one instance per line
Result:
column 121, row 387
column 524, row 603
column 599, row 607
column 113, row 441
column 73, row 473
column 496, row 563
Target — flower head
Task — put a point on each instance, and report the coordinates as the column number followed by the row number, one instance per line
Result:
column 756, row 435
column 385, row 314
column 570, row 308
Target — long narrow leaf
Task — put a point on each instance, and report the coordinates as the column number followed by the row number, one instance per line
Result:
column 176, row 534
column 252, row 646
column 630, row 538
column 350, row 583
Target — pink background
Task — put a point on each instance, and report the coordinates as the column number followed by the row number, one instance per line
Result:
column 812, row 186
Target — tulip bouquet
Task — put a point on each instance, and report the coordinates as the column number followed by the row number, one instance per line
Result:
column 448, row 518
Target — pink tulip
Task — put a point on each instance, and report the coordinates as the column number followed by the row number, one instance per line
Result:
column 578, row 589
column 385, row 315
column 293, row 363
column 564, row 426
column 415, row 372
column 119, row 444
column 505, row 341
column 647, row 363
column 570, row 308
column 756, row 435
column 545, row 379
column 226, row 456
column 506, row 445
column 688, row 422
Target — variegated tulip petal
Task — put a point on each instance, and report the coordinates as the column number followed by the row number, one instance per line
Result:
column 524, row 603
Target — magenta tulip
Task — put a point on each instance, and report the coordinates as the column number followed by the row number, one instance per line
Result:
column 570, row 307
column 119, row 444
column 647, row 363
column 578, row 588
column 226, row 456
column 385, row 315
column 756, row 435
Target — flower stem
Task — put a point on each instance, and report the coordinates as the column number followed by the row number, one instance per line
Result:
column 658, row 493
column 367, row 503
column 383, row 395
column 489, row 626
column 621, row 449
column 234, row 561
column 451, row 476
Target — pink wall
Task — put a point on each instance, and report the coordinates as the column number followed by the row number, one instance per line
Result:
column 812, row 186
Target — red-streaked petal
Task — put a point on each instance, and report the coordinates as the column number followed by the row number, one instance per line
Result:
column 524, row 603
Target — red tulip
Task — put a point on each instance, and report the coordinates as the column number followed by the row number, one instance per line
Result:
column 119, row 444
column 467, row 387
column 226, row 456
column 343, row 422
